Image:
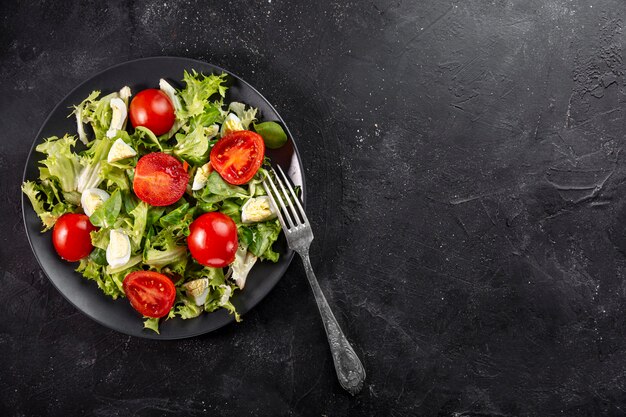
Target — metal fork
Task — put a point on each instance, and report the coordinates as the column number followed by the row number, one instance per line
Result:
column 297, row 228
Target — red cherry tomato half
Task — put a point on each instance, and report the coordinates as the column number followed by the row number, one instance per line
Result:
column 150, row 293
column 238, row 156
column 153, row 109
column 71, row 238
column 160, row 179
column 213, row 240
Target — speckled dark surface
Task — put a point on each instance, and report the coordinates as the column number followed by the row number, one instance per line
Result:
column 465, row 173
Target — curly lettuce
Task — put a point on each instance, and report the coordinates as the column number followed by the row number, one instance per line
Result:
column 198, row 89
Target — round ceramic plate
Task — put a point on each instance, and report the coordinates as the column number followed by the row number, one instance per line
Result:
column 84, row 294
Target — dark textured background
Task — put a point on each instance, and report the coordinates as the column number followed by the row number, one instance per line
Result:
column 465, row 178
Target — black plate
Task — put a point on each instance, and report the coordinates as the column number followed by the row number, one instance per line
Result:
column 84, row 294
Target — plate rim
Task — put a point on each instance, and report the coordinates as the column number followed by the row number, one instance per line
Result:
column 153, row 336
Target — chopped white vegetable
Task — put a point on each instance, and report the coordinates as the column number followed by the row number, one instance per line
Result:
column 198, row 289
column 120, row 150
column 125, row 94
column 92, row 198
column 257, row 209
column 118, row 251
column 118, row 118
column 241, row 266
column 134, row 260
column 88, row 178
column 80, row 128
column 201, row 177
column 228, row 291
column 232, row 123
column 212, row 131
column 245, row 116
column 171, row 93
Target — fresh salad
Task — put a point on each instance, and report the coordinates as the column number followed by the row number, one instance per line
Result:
column 168, row 212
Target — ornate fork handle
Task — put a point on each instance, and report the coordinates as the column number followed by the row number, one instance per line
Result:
column 350, row 371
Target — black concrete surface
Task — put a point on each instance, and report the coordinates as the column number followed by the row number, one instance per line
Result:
column 465, row 173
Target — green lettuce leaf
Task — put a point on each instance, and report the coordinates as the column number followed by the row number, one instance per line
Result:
column 154, row 213
column 246, row 116
column 215, row 275
column 188, row 309
column 114, row 176
column 52, row 191
column 193, row 147
column 212, row 114
column 91, row 161
column 99, row 256
column 198, row 89
column 107, row 213
column 245, row 235
column 48, row 216
column 129, row 201
column 144, row 139
column 217, row 299
column 232, row 209
column 100, row 238
column 61, row 162
column 163, row 249
column 110, row 285
column 264, row 235
column 97, row 112
column 177, row 216
column 217, row 190
column 126, row 268
column 152, row 324
column 202, row 207
column 219, row 294
column 140, row 216
column 170, row 254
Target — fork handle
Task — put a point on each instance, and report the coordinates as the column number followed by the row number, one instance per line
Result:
column 350, row 371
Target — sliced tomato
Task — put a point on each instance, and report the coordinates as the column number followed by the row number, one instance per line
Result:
column 160, row 179
column 150, row 293
column 238, row 156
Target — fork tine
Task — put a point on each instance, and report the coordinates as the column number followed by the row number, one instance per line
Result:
column 280, row 200
column 273, row 200
column 289, row 203
column 293, row 194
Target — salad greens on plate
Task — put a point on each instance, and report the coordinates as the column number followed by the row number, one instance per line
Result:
column 167, row 210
